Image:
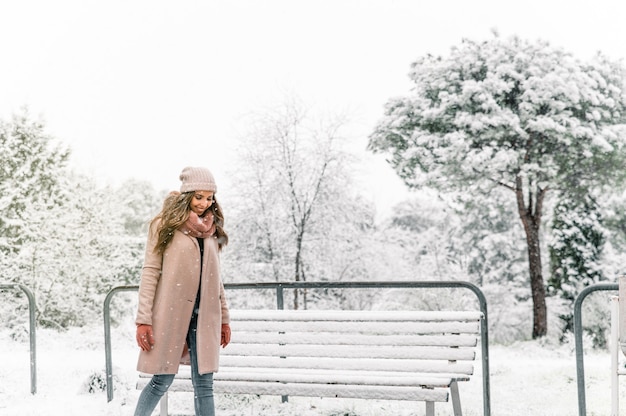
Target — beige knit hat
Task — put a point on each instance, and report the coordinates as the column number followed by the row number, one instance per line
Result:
column 197, row 179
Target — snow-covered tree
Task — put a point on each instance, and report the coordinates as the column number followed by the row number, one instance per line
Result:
column 31, row 167
column 66, row 238
column 575, row 249
column 490, row 239
column 31, row 174
column 85, row 251
column 613, row 211
column 422, row 230
column 137, row 202
column 509, row 113
column 453, row 237
column 575, row 246
column 296, row 209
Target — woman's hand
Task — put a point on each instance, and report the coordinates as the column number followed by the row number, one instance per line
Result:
column 225, row 335
column 145, row 337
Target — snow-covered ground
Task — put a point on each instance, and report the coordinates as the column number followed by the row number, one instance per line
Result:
column 526, row 379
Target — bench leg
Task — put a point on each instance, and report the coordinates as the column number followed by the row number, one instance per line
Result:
column 164, row 411
column 430, row 408
column 456, row 399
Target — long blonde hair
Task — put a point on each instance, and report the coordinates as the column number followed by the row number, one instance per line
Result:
column 175, row 212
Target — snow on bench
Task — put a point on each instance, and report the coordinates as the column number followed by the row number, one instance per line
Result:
column 386, row 355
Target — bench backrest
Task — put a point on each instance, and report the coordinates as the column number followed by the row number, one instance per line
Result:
column 438, row 342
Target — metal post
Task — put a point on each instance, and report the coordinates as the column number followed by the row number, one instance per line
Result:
column 107, row 336
column 32, row 306
column 578, row 338
column 280, row 298
column 614, row 349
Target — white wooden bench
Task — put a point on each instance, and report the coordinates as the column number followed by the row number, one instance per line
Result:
column 387, row 355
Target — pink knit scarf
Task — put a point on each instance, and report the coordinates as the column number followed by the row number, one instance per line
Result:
column 201, row 227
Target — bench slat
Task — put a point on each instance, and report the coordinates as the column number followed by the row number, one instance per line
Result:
column 355, row 339
column 186, row 373
column 257, row 373
column 420, row 366
column 290, row 350
column 378, row 378
column 333, row 377
column 343, row 315
column 319, row 390
column 359, row 327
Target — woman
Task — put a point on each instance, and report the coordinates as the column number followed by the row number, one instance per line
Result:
column 182, row 307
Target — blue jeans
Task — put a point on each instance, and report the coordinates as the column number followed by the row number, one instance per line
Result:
column 202, row 384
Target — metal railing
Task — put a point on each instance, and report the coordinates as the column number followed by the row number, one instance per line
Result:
column 578, row 338
column 32, row 332
column 280, row 288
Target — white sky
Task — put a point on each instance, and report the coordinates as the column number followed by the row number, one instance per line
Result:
column 143, row 88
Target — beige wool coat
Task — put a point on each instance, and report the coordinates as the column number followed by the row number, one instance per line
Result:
column 167, row 293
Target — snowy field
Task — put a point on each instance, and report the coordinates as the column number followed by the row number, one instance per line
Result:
column 526, row 379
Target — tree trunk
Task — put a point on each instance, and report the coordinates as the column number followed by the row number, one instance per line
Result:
column 298, row 268
column 540, row 318
column 531, row 219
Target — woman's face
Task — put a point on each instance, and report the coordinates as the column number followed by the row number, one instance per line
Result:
column 201, row 201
